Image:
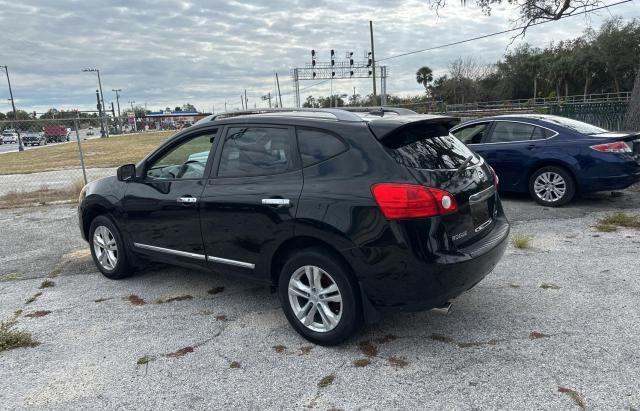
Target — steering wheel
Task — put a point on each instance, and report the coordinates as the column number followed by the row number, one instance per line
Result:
column 185, row 167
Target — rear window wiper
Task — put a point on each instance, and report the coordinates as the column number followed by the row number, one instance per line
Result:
column 464, row 165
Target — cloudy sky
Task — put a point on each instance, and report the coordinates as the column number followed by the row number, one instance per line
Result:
column 167, row 53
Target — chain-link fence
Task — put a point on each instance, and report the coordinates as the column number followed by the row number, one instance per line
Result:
column 60, row 155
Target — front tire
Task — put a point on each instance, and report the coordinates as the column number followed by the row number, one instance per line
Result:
column 319, row 297
column 108, row 248
column 552, row 186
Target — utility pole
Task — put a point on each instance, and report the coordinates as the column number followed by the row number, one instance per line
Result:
column 100, row 111
column 135, row 123
column 354, row 96
column 94, row 70
column 118, row 90
column 13, row 106
column 373, row 60
column 242, row 101
column 279, row 94
column 246, row 101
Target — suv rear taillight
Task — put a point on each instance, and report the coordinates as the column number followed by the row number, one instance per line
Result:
column 399, row 201
column 615, row 147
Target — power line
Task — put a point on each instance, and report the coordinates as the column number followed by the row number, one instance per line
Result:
column 499, row 32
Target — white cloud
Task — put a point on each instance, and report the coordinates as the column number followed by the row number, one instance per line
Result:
column 170, row 52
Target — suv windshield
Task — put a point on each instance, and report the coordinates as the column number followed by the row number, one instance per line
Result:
column 575, row 125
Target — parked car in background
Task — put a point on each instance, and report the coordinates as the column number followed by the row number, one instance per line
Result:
column 10, row 136
column 33, row 138
column 343, row 214
column 553, row 158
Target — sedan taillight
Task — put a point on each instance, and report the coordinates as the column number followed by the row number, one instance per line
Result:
column 400, row 201
column 615, row 147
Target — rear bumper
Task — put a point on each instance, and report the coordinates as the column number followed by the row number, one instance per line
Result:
column 607, row 183
column 417, row 284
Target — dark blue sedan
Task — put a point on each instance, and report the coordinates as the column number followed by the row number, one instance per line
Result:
column 553, row 158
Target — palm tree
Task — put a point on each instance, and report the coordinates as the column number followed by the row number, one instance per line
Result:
column 424, row 76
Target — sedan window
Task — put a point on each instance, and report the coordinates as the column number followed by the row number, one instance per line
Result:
column 575, row 125
column 507, row 131
column 255, row 151
column 186, row 160
column 472, row 134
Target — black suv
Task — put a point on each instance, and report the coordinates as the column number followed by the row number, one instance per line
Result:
column 342, row 213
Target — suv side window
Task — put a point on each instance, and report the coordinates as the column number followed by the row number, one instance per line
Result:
column 507, row 131
column 186, row 160
column 316, row 146
column 472, row 134
column 255, row 151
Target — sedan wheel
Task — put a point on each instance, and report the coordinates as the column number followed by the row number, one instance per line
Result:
column 551, row 186
column 105, row 248
column 315, row 298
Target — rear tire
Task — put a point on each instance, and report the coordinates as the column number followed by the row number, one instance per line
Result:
column 552, row 186
column 319, row 297
column 108, row 248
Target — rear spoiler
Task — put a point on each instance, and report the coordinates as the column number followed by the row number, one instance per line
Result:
column 384, row 129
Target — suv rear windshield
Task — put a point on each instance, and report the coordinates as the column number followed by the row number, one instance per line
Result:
column 417, row 147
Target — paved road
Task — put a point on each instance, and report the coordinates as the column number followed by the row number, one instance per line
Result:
column 553, row 327
column 10, row 148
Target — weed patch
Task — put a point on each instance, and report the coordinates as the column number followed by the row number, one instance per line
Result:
column 549, row 286
column 362, row 362
column 306, row 349
column 279, row 348
column 368, row 349
column 606, row 228
column 449, row 340
column 621, row 219
column 12, row 338
column 221, row 317
column 398, row 362
column 47, row 284
column 144, row 360
column 33, row 298
column 234, row 364
column 521, row 241
column 326, row 381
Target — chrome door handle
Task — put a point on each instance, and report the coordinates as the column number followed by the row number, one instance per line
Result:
column 280, row 202
column 189, row 200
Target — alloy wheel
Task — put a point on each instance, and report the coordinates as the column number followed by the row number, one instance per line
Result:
column 315, row 298
column 105, row 247
column 550, row 186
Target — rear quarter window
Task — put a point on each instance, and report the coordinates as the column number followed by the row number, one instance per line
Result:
column 317, row 145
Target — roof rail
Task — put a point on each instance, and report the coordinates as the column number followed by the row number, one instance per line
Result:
column 380, row 110
column 340, row 115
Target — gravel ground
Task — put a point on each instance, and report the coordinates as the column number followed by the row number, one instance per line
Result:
column 555, row 326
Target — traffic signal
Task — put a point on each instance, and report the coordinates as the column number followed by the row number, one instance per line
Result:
column 313, row 54
column 314, row 74
column 333, row 74
column 370, row 72
column 351, row 62
column 351, row 73
column 369, row 61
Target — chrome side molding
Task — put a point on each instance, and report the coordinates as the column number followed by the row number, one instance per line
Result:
column 196, row 256
column 170, row 251
column 231, row 262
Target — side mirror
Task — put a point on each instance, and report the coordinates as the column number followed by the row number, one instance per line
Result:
column 126, row 172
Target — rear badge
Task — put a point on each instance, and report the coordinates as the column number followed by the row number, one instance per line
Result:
column 459, row 236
